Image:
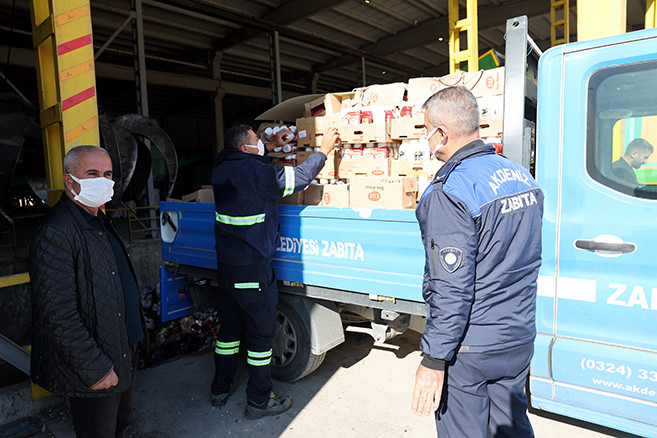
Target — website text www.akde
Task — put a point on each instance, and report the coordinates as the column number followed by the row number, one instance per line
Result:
column 625, row 387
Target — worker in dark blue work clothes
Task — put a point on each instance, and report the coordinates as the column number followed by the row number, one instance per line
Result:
column 481, row 220
column 246, row 190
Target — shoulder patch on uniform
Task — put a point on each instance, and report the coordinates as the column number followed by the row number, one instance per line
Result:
column 450, row 258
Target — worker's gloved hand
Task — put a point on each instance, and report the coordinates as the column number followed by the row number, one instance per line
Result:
column 329, row 139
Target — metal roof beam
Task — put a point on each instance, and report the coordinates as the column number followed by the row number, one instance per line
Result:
column 428, row 31
column 263, row 25
column 286, row 14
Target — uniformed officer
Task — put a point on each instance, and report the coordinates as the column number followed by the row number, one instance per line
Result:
column 481, row 227
column 246, row 190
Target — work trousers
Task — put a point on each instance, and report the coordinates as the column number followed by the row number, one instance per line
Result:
column 105, row 417
column 248, row 297
column 486, row 390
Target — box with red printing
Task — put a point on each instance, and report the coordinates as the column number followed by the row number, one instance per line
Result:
column 327, row 195
column 390, row 192
column 326, row 105
column 362, row 166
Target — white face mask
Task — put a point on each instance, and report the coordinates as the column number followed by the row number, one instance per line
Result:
column 94, row 192
column 260, row 146
column 437, row 147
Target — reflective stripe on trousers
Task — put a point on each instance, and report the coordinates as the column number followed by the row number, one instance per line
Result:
column 258, row 358
column 227, row 348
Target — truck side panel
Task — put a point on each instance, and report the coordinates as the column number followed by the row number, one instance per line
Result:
column 597, row 352
column 370, row 251
column 375, row 252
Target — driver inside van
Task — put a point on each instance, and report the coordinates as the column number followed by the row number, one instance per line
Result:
column 636, row 155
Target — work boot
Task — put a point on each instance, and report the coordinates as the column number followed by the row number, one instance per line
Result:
column 218, row 400
column 274, row 406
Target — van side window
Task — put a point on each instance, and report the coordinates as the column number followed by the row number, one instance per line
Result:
column 622, row 128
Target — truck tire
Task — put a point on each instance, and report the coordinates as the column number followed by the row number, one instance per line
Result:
column 292, row 357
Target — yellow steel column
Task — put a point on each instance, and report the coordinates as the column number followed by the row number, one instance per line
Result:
column 470, row 26
column 600, row 18
column 67, row 84
column 559, row 26
column 651, row 14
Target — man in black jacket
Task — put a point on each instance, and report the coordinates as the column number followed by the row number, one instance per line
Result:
column 636, row 154
column 86, row 318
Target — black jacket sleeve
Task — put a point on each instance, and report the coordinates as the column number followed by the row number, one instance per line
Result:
column 55, row 306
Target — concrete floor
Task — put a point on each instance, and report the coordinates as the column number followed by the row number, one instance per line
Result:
column 362, row 390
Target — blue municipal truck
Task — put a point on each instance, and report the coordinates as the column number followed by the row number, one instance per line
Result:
column 596, row 349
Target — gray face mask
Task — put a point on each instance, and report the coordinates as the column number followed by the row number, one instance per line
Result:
column 94, row 192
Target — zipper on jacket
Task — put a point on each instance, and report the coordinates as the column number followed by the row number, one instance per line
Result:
column 433, row 256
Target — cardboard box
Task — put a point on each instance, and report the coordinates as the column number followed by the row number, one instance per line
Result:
column 330, row 169
column 491, row 115
column 310, row 130
column 490, row 108
column 364, row 133
column 328, row 104
column 491, row 128
column 403, row 167
column 486, row 82
column 327, row 195
column 391, row 192
column 296, row 198
column 420, row 89
column 481, row 83
column 379, row 95
column 363, row 166
column 407, row 128
column 201, row 195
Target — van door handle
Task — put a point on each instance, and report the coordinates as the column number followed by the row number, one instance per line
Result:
column 592, row 245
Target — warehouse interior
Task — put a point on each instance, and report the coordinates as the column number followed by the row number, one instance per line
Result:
column 212, row 63
column 199, row 66
column 191, row 69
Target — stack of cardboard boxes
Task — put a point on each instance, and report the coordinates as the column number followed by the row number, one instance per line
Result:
column 384, row 160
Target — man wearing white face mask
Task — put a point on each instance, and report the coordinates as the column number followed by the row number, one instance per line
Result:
column 246, row 190
column 86, row 318
column 480, row 220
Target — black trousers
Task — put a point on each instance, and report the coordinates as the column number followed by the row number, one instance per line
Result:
column 249, row 296
column 105, row 417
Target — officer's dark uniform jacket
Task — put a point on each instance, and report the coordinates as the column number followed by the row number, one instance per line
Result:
column 246, row 190
column 79, row 329
column 481, row 227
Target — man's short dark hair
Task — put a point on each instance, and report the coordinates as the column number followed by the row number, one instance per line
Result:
column 639, row 145
column 236, row 136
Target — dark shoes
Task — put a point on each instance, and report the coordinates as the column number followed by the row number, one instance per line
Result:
column 274, row 406
column 218, row 400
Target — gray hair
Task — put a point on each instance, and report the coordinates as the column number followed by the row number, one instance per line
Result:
column 73, row 156
column 455, row 108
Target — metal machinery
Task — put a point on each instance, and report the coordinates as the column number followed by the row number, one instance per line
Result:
column 68, row 117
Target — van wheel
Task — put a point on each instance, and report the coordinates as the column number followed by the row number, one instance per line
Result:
column 291, row 356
